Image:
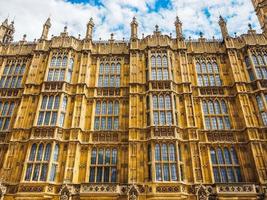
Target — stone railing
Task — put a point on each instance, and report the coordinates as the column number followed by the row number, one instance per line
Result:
column 236, row 188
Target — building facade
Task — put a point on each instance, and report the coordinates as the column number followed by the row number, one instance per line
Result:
column 150, row 118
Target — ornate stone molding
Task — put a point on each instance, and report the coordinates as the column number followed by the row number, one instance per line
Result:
column 203, row 192
column 2, row 191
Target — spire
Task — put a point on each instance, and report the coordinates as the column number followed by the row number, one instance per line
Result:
column 46, row 28
column 223, row 27
column 5, row 23
column 178, row 27
column 6, row 31
column 90, row 27
column 134, row 29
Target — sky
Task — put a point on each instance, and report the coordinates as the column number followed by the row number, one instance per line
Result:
column 115, row 16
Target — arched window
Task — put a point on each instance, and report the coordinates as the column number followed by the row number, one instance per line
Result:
column 260, row 102
column 47, row 152
column 208, row 74
column 59, row 61
column 70, row 70
column 162, row 110
column 217, row 107
column 167, row 102
column 216, row 114
column 108, row 118
column 40, row 152
column 203, row 67
column 211, row 108
column 53, row 61
column 198, row 68
column 226, row 169
column 157, row 152
column 38, row 162
column 153, row 61
column 227, row 156
column 49, row 111
column 33, row 152
column 213, row 156
column 165, row 162
column 109, row 75
column 64, row 61
column 155, row 102
column 103, row 170
column 158, row 61
column 161, row 102
column 260, row 65
column 255, row 60
column 220, row 156
column 165, row 61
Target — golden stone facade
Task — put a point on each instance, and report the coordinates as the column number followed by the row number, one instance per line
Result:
column 151, row 118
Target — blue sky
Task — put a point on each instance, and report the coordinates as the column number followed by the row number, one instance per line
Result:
column 114, row 16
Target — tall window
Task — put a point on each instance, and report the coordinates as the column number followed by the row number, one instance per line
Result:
column 12, row 75
column 38, row 162
column 107, row 115
column 6, row 111
column 49, row 110
column 249, row 68
column 159, row 67
column 58, row 67
column 261, row 102
column 166, row 162
column 216, row 114
column 208, row 73
column 226, row 168
column 109, row 75
column 103, row 165
column 162, row 110
column 260, row 63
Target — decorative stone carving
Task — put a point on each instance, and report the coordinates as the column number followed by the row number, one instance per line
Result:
column 65, row 192
column 203, row 192
column 2, row 191
column 133, row 192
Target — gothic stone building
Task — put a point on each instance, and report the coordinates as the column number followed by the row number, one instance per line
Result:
column 150, row 118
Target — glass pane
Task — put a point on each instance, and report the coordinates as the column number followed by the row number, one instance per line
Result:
column 173, row 172
column 114, row 156
column 33, row 152
column 227, row 156
column 216, row 175
column 220, row 156
column 43, row 173
column 99, row 174
column 92, row 174
column 107, row 156
column 157, row 152
column 213, row 156
column 158, row 172
column 93, row 157
column 113, row 174
column 47, row 152
column 28, row 172
column 100, row 156
column 166, row 172
column 164, row 152
column 106, row 174
column 223, row 175
column 40, row 152
column 36, row 172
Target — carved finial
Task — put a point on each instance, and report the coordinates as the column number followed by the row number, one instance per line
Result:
column 65, row 29
column 250, row 26
column 79, row 36
column 157, row 28
column 201, row 34
column 134, row 28
column 143, row 35
column 111, row 36
column 235, row 35
column 24, row 37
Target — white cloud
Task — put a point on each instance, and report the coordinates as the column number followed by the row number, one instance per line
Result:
column 115, row 16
